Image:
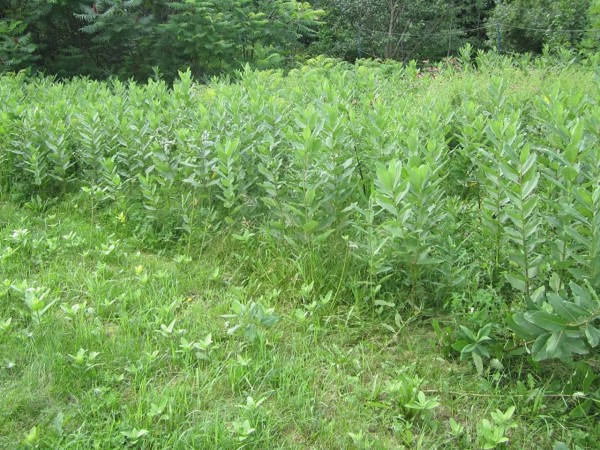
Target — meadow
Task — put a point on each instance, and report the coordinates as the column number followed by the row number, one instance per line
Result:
column 341, row 256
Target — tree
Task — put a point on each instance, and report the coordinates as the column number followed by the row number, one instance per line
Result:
column 526, row 25
column 472, row 16
column 591, row 40
column 16, row 49
column 129, row 38
column 397, row 29
column 211, row 36
column 119, row 31
column 58, row 46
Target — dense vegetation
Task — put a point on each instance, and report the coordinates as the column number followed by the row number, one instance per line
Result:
column 361, row 255
column 138, row 38
column 143, row 38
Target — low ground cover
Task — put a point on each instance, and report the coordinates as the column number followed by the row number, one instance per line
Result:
column 343, row 256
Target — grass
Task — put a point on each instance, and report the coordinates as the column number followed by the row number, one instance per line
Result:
column 106, row 365
column 337, row 257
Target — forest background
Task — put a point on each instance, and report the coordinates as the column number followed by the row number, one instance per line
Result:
column 138, row 39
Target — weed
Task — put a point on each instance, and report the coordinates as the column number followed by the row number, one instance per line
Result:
column 329, row 222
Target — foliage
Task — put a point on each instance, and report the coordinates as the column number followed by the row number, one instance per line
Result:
column 55, row 43
column 395, row 29
column 561, row 326
column 356, row 213
column 143, row 39
column 590, row 40
column 492, row 434
column 136, row 39
column 16, row 48
column 474, row 345
column 526, row 190
column 527, row 25
column 251, row 318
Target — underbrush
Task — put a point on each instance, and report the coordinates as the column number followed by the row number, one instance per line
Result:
column 341, row 256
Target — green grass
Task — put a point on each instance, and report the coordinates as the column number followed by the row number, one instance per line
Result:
column 305, row 382
column 343, row 256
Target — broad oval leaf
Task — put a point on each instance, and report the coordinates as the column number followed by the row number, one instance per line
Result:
column 547, row 321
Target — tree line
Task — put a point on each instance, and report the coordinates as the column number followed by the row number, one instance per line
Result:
column 143, row 38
